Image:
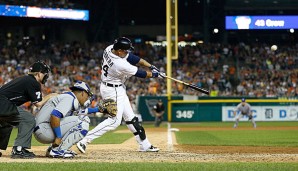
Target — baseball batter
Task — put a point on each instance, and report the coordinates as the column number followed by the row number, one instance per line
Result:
column 117, row 66
column 244, row 109
column 57, row 125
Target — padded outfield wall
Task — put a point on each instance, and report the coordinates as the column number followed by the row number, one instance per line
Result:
column 218, row 109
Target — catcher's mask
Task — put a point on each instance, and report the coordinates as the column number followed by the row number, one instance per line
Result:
column 42, row 67
column 82, row 86
column 123, row 43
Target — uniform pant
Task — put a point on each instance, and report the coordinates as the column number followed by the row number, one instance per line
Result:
column 5, row 131
column 158, row 121
column 9, row 117
column 44, row 132
column 124, row 110
column 25, row 128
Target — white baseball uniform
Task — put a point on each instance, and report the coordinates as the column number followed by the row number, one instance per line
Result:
column 115, row 71
column 73, row 128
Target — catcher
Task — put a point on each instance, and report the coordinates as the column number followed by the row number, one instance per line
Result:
column 56, row 124
column 245, row 110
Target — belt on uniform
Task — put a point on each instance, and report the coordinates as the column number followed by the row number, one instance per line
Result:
column 111, row 85
column 36, row 128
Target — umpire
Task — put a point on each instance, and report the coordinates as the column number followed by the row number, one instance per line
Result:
column 12, row 96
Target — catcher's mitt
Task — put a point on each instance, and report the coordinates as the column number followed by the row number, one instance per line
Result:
column 249, row 117
column 108, row 106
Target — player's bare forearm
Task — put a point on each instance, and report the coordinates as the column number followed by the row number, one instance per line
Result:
column 149, row 74
column 144, row 63
column 55, row 121
column 56, row 142
column 45, row 99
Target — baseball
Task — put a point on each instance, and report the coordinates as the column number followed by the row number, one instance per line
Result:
column 273, row 47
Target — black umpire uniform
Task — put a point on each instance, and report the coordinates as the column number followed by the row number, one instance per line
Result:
column 12, row 96
column 159, row 109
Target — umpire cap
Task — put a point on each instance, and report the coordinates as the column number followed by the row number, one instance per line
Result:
column 40, row 66
column 123, row 43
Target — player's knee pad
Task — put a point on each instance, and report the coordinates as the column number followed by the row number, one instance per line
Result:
column 84, row 125
column 138, row 127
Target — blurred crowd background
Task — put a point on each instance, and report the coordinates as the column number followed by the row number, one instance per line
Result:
column 227, row 70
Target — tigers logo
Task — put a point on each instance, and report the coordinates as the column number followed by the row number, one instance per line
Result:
column 150, row 105
column 293, row 114
column 268, row 113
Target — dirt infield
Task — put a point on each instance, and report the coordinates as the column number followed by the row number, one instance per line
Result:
column 127, row 152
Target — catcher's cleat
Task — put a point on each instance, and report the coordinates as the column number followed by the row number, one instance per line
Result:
column 151, row 149
column 81, row 147
column 61, row 154
column 72, row 152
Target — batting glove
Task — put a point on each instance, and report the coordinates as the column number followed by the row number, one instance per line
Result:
column 162, row 75
column 152, row 67
column 155, row 73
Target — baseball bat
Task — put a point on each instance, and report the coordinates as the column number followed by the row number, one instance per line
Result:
column 202, row 90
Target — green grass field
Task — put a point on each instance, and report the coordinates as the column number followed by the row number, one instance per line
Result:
column 226, row 137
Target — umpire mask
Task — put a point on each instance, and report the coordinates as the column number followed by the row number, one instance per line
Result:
column 45, row 78
column 87, row 102
column 42, row 67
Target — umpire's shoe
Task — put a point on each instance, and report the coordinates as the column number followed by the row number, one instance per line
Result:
column 21, row 153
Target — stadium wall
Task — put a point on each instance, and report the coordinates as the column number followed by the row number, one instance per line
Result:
column 220, row 109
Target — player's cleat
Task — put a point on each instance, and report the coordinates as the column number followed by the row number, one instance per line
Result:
column 61, row 154
column 81, row 147
column 22, row 154
column 151, row 149
column 71, row 152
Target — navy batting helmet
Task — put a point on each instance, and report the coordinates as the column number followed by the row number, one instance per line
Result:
column 123, row 43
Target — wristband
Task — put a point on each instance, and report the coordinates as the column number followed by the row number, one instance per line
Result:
column 93, row 110
column 154, row 74
column 57, row 132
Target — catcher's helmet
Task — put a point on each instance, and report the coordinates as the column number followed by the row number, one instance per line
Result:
column 82, row 86
column 123, row 43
